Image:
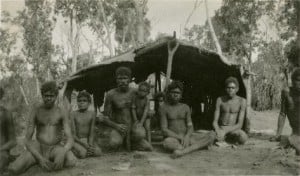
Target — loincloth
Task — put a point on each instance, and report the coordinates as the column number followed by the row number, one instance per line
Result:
column 47, row 150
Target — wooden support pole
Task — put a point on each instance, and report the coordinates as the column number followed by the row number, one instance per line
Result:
column 171, row 52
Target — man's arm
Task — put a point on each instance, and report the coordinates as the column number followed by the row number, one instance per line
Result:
column 282, row 114
column 164, row 125
column 29, row 133
column 92, row 130
column 145, row 113
column 189, row 122
column 217, row 115
column 11, row 133
column 67, row 130
column 133, row 112
column 108, row 112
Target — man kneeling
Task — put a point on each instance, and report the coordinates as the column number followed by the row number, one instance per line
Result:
column 177, row 125
column 229, row 114
column 48, row 120
column 83, row 124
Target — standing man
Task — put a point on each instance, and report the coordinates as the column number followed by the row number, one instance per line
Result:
column 177, row 126
column 290, row 107
column 229, row 114
column 49, row 121
column 117, row 107
column 7, row 134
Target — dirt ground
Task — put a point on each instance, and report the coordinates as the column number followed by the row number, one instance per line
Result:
column 257, row 157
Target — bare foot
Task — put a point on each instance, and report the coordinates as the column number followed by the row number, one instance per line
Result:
column 177, row 154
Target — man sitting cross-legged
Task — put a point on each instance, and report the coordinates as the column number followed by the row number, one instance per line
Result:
column 7, row 135
column 83, row 124
column 177, row 126
column 229, row 114
column 49, row 122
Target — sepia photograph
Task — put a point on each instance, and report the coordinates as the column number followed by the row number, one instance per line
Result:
column 149, row 87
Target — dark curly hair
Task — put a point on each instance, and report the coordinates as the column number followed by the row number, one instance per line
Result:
column 49, row 86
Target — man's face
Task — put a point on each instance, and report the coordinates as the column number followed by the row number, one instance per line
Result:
column 231, row 89
column 143, row 91
column 175, row 95
column 83, row 103
column 160, row 101
column 49, row 99
column 123, row 82
column 296, row 83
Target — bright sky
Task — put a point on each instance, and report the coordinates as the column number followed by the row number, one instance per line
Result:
column 166, row 16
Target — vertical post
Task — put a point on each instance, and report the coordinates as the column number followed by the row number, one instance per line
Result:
column 171, row 52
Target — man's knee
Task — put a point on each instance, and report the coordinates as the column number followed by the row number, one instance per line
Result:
column 241, row 136
column 171, row 144
column 70, row 159
column 294, row 141
column 79, row 150
column 143, row 145
column 21, row 163
column 138, row 133
column 4, row 159
column 115, row 139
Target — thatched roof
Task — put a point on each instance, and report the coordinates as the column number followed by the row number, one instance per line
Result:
column 203, row 72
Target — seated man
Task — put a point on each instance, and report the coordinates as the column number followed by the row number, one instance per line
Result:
column 229, row 114
column 177, row 126
column 49, row 122
column 117, row 107
column 7, row 134
column 83, row 123
column 290, row 108
column 140, row 108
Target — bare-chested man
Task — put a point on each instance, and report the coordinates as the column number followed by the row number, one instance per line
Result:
column 49, row 121
column 83, row 125
column 177, row 126
column 7, row 134
column 290, row 107
column 140, row 108
column 229, row 114
column 117, row 107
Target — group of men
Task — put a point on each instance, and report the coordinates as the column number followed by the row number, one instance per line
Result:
column 63, row 136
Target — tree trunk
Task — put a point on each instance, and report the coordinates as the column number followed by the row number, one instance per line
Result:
column 297, row 7
column 139, row 6
column 37, row 84
column 73, row 45
column 171, row 52
column 214, row 36
column 24, row 96
column 106, row 25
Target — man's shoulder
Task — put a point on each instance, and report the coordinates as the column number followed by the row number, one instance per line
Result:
column 111, row 92
column 183, row 105
column 286, row 90
column 241, row 99
column 221, row 99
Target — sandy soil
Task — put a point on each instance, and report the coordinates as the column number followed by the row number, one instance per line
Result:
column 257, row 157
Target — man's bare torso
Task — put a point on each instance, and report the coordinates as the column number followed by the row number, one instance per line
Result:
column 292, row 109
column 49, row 125
column 229, row 111
column 82, row 122
column 140, row 104
column 121, row 105
column 176, row 116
